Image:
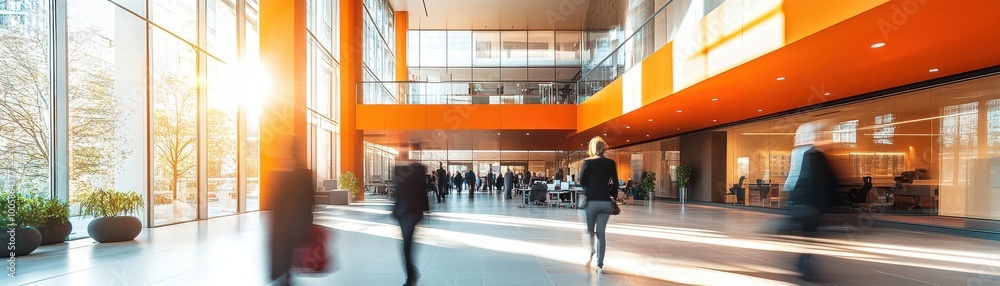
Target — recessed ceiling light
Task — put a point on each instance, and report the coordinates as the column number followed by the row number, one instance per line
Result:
column 650, row 120
column 827, row 94
column 498, row 133
column 715, row 99
column 679, row 111
column 626, row 141
column 647, row 135
column 529, row 133
column 760, row 110
column 933, row 70
column 715, row 120
column 627, row 126
column 781, row 78
column 878, row 45
column 605, row 134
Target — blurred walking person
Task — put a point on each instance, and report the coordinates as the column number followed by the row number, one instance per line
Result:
column 458, row 182
column 442, row 182
column 490, row 180
column 470, row 180
column 411, row 203
column 810, row 183
column 291, row 217
column 508, row 183
column 599, row 179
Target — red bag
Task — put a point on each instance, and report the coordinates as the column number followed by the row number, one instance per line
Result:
column 312, row 256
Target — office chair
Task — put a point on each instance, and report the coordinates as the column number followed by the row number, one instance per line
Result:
column 538, row 193
column 765, row 192
column 860, row 196
column 738, row 190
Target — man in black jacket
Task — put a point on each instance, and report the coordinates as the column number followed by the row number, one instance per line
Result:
column 508, row 183
column 470, row 179
column 810, row 182
column 490, row 180
column 442, row 182
column 458, row 182
column 411, row 203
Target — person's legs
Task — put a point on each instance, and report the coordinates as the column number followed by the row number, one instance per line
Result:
column 591, row 212
column 407, row 225
column 602, row 224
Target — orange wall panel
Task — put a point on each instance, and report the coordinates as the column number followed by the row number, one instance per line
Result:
column 806, row 17
column 466, row 117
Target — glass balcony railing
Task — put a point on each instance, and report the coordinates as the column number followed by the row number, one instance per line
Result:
column 464, row 92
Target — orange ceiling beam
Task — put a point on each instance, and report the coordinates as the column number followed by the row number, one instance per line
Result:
column 467, row 116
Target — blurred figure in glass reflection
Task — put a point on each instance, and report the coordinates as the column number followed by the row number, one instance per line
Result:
column 599, row 179
column 293, row 186
column 810, row 182
column 411, row 203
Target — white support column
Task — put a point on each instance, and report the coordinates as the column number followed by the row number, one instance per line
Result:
column 202, row 112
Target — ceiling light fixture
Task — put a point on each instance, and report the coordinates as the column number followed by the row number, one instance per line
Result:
column 679, row 111
column 647, row 135
column 781, row 78
column 933, row 70
column 628, row 127
column 650, row 120
column 827, row 94
column 605, row 134
column 878, row 45
column 715, row 120
column 527, row 134
column 626, row 141
column 715, row 99
column 760, row 110
column 498, row 133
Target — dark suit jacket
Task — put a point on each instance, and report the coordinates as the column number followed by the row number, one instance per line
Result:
column 508, row 180
column 816, row 181
column 411, row 194
column 470, row 177
column 595, row 174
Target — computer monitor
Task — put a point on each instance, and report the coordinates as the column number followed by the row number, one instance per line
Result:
column 557, row 184
column 564, row 186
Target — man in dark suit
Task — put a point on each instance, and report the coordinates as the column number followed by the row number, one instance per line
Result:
column 458, row 181
column 442, row 182
column 810, row 183
column 490, row 180
column 411, row 203
column 470, row 179
column 508, row 183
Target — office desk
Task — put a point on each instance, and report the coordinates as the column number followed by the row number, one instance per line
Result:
column 916, row 192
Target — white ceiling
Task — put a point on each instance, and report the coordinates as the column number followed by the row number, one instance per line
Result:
column 495, row 14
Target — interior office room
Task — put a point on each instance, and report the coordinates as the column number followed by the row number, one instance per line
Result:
column 499, row 142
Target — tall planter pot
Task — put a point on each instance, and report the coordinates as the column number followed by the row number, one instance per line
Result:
column 57, row 233
column 114, row 229
column 26, row 240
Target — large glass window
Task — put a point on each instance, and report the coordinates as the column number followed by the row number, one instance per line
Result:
column 459, row 48
column 25, row 101
column 222, row 29
column 107, row 99
column 432, row 52
column 251, row 67
column 175, row 129
column 222, row 143
column 180, row 17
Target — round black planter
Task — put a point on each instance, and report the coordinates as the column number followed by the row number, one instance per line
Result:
column 26, row 240
column 52, row 234
column 114, row 229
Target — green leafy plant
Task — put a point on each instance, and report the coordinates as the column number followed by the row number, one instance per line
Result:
column 684, row 175
column 20, row 209
column 647, row 183
column 104, row 203
column 53, row 211
column 348, row 181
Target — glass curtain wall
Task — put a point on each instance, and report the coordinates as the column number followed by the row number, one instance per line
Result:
column 196, row 68
column 26, row 100
column 379, row 47
column 929, row 152
column 323, row 73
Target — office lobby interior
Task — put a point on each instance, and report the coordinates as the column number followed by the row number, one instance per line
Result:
column 140, row 140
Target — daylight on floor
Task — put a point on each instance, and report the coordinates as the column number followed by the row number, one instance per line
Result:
column 499, row 142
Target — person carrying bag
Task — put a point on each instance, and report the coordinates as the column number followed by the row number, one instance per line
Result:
column 598, row 177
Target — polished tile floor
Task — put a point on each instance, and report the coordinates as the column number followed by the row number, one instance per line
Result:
column 491, row 241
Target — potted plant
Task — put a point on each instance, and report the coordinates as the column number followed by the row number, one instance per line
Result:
column 646, row 184
column 17, row 219
column 54, row 220
column 684, row 175
column 350, row 183
column 112, row 212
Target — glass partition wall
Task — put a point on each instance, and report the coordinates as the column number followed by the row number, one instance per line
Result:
column 932, row 151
